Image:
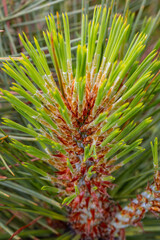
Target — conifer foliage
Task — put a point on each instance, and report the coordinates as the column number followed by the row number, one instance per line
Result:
column 87, row 123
